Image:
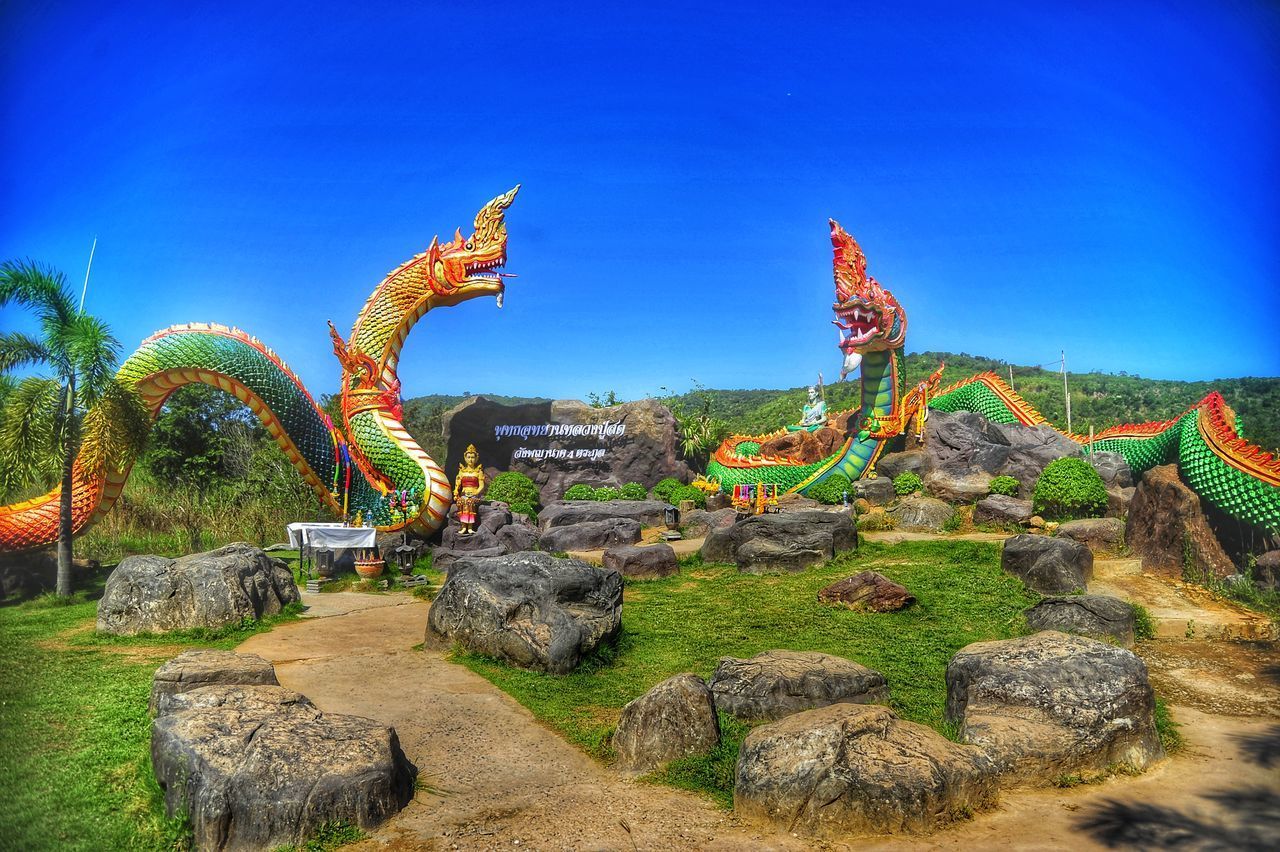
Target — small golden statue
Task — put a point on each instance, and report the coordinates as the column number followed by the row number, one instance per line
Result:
column 467, row 489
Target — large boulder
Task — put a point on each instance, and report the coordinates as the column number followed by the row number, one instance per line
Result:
column 566, row 442
column 529, row 609
column 892, row 465
column 775, row 684
column 1167, row 528
column 999, row 509
column 645, row 563
column 202, row 667
column 498, row 532
column 699, row 522
column 854, row 769
column 1051, row 704
column 1113, row 469
column 155, row 594
column 790, row 541
column 566, row 513
column 674, row 719
column 1100, row 535
column 965, row 447
column 1118, row 501
column 922, row 514
column 1050, row 566
column 1099, row 616
column 591, row 535
column 257, row 767
column 804, row 447
column 867, row 590
column 956, row 487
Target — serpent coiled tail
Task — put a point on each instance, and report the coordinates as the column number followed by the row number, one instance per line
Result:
column 352, row 466
column 1227, row 471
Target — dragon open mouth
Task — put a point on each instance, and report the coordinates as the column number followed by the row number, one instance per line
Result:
column 856, row 325
column 487, row 274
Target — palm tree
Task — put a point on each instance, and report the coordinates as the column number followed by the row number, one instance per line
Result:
column 48, row 420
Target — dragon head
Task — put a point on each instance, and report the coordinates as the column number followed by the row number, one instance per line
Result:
column 466, row 267
column 868, row 317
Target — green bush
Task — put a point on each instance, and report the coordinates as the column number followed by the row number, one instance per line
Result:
column 1006, row 485
column 525, row 509
column 606, row 493
column 907, row 483
column 580, row 492
column 1070, row 488
column 662, row 491
column 831, row 490
column 634, row 491
column 1144, row 627
column 511, row 488
column 688, row 492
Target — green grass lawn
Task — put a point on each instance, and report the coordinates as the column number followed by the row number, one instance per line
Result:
column 688, row 621
column 75, row 767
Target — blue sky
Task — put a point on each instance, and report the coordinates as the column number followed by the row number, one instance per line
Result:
column 1073, row 176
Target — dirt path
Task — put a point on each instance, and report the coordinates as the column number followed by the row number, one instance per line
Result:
column 492, row 777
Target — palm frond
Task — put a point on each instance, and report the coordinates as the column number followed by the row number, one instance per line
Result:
column 92, row 352
column 116, row 428
column 20, row 350
column 29, row 445
column 38, row 287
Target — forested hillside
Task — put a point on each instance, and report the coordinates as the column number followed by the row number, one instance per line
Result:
column 1097, row 399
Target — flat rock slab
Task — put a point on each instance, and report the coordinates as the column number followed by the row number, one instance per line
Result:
column 1052, row 704
column 648, row 562
column 564, row 513
column 778, row 683
column 1099, row 616
column 1050, row 566
column 850, row 769
column 591, row 535
column 256, row 767
column 791, row 541
column 207, row 667
column 999, row 509
column 154, row 594
column 674, row 719
column 867, row 590
column 532, row 610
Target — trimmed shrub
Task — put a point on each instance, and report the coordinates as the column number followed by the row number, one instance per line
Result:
column 1070, row 488
column 1005, row 485
column 688, row 492
column 907, row 483
column 511, row 487
column 580, row 492
column 633, row 491
column 830, row 491
column 606, row 493
column 662, row 491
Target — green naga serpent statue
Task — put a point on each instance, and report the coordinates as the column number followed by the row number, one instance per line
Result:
column 366, row 465
column 1237, row 477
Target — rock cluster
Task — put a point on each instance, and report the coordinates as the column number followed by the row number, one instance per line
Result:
column 155, row 594
column 784, row 542
column 255, row 766
column 497, row 532
column 529, row 609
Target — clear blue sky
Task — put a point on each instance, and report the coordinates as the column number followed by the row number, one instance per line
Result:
column 1094, row 176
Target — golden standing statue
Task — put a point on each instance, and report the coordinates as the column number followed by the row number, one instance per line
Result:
column 467, row 489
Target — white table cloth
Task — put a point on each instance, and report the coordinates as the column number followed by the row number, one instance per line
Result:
column 304, row 533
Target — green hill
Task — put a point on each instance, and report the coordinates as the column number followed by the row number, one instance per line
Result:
column 1097, row 399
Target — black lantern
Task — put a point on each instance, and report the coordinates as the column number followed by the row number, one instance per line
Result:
column 405, row 556
column 672, row 516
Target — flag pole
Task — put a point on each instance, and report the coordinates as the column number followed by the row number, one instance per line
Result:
column 85, row 290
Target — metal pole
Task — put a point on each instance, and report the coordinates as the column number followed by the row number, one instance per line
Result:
column 84, row 290
column 1065, row 392
column 1010, row 377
